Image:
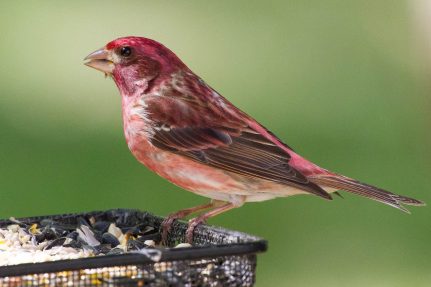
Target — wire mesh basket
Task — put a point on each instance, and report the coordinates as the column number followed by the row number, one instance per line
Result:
column 218, row 257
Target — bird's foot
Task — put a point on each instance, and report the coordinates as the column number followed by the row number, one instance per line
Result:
column 192, row 225
column 167, row 225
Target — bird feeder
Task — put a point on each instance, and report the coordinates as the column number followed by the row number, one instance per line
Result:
column 122, row 248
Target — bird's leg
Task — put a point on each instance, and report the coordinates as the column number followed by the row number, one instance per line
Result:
column 167, row 223
column 203, row 218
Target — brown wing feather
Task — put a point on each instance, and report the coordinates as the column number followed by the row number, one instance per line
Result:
column 366, row 190
column 243, row 152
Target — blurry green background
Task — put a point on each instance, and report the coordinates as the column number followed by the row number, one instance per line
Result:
column 345, row 83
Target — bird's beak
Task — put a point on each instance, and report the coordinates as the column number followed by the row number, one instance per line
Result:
column 100, row 60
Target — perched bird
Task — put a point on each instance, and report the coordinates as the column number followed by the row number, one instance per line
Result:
column 183, row 130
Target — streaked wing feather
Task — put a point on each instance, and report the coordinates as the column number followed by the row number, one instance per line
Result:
column 240, row 151
column 367, row 190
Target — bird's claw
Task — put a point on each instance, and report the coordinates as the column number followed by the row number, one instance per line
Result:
column 166, row 227
column 191, row 228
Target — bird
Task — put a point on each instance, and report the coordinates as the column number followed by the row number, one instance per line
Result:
column 186, row 132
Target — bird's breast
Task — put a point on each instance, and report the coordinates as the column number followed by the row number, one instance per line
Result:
column 136, row 124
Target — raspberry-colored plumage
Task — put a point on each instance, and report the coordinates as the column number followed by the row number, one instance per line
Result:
column 186, row 132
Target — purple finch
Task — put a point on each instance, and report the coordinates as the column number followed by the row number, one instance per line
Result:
column 183, row 130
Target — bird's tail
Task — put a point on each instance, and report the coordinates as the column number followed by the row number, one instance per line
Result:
column 340, row 182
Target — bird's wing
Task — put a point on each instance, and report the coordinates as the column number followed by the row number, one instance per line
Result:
column 204, row 132
column 243, row 152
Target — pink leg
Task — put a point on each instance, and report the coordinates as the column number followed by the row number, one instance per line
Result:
column 203, row 218
column 167, row 223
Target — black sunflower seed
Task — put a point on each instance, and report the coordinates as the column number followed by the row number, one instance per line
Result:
column 108, row 238
column 56, row 242
column 101, row 226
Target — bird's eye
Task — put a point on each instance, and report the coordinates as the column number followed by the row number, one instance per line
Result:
column 125, row 51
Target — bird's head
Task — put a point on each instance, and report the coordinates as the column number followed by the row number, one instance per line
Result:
column 134, row 59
